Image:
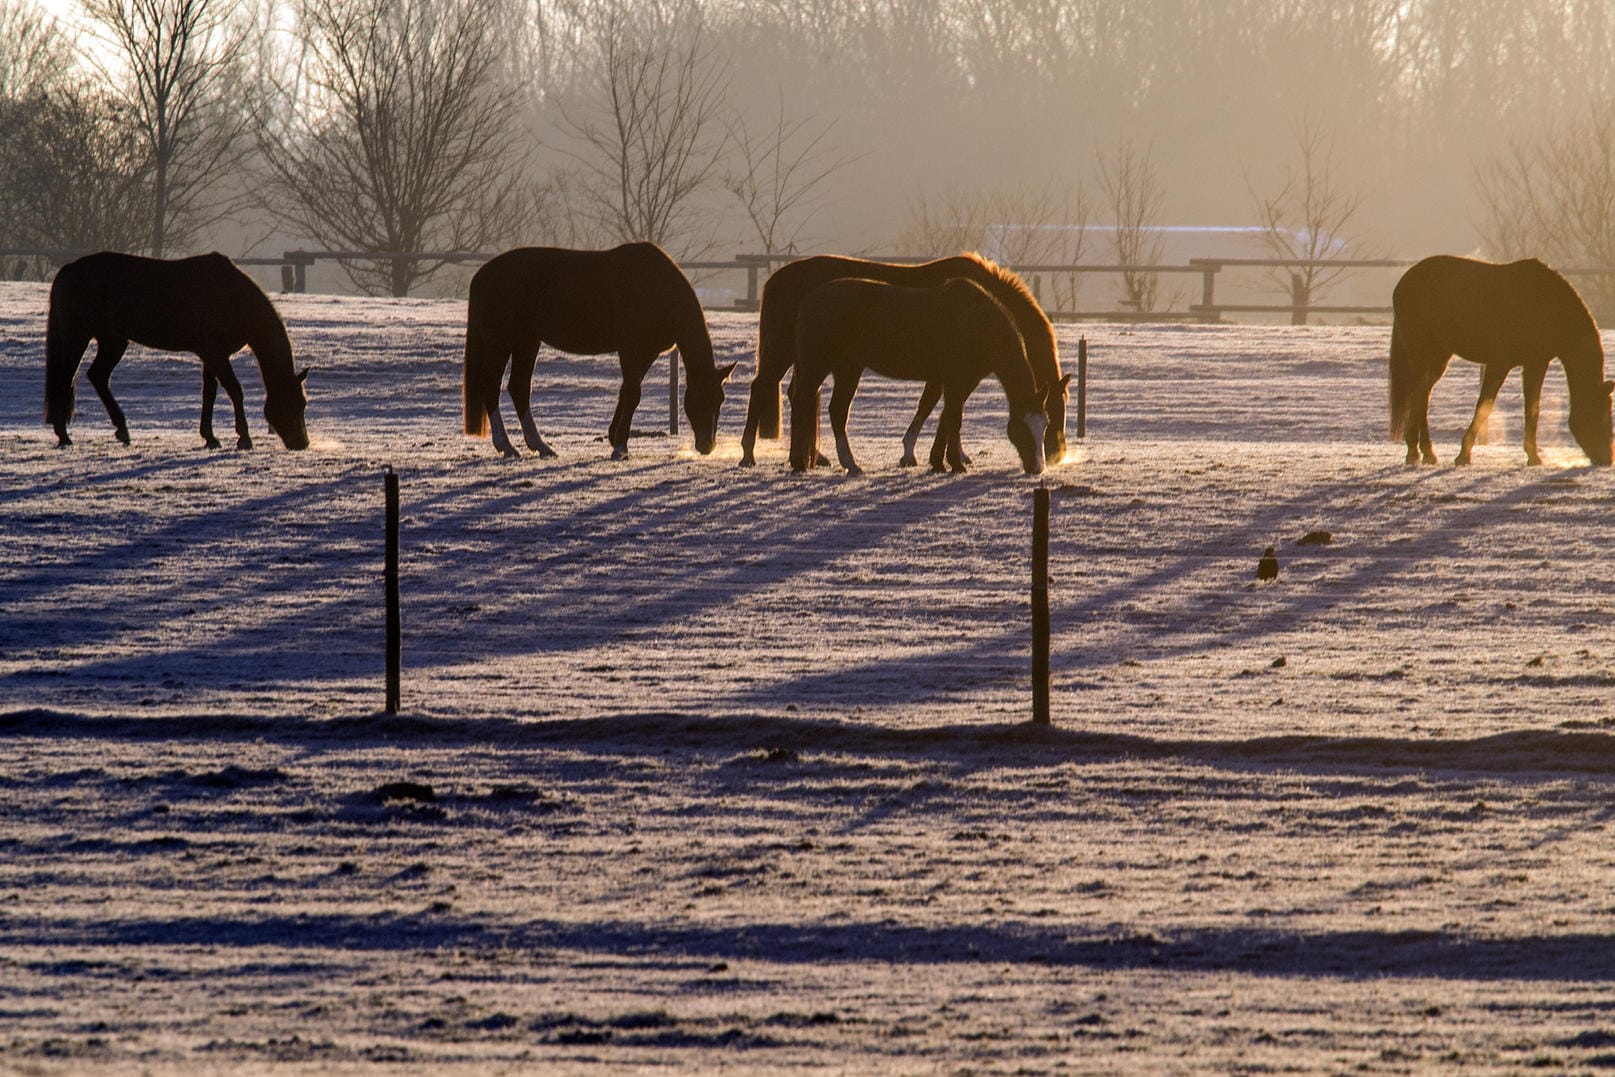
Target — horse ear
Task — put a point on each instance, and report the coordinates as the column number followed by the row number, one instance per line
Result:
column 725, row 371
column 1609, row 387
column 1065, row 381
column 302, row 375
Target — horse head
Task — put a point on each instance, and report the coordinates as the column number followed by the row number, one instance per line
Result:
column 1590, row 425
column 703, row 398
column 1026, row 431
column 284, row 409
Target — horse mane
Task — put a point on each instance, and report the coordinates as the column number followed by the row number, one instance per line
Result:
column 1010, row 279
column 1579, row 305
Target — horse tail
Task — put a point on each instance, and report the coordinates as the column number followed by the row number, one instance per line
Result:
column 478, row 356
column 1400, row 380
column 61, row 359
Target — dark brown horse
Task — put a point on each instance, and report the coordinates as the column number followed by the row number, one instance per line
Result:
column 203, row 305
column 1522, row 314
column 632, row 300
column 777, row 321
column 954, row 333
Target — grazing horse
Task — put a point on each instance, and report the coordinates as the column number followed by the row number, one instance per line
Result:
column 954, row 333
column 203, row 305
column 777, row 322
column 632, row 300
column 1522, row 314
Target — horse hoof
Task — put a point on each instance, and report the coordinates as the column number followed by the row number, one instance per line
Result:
column 619, row 452
column 63, row 441
column 908, row 461
column 821, row 460
column 854, row 470
column 122, row 435
column 243, row 443
column 211, row 443
column 746, row 461
column 510, row 454
column 547, row 453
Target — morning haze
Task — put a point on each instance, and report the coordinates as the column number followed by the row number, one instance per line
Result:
column 905, row 126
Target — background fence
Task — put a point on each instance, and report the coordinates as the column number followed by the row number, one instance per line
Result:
column 736, row 283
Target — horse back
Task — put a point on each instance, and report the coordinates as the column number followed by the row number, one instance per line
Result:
column 899, row 330
column 202, row 304
column 1513, row 313
column 632, row 297
column 786, row 288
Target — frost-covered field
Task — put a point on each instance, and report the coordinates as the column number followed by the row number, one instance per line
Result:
column 715, row 768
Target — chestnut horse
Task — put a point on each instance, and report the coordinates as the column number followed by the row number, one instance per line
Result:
column 952, row 334
column 776, row 336
column 1522, row 314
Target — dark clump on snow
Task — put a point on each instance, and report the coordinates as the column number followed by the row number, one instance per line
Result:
column 415, row 791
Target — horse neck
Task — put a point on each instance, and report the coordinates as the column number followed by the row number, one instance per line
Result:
column 273, row 349
column 1014, row 373
column 1583, row 361
column 1041, row 352
column 694, row 343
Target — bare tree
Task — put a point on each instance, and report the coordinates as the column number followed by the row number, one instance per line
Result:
column 183, row 91
column 74, row 175
column 400, row 139
column 1553, row 197
column 1018, row 225
column 1311, row 217
column 1134, row 195
column 648, row 132
column 779, row 173
column 34, row 52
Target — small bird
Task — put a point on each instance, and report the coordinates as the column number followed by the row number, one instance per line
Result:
column 1268, row 567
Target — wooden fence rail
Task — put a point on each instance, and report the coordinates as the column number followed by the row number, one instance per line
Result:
column 294, row 266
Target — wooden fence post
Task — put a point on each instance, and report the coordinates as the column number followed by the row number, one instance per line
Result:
column 1040, row 606
column 395, row 633
column 1082, row 387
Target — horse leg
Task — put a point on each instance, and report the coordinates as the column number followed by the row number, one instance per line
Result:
column 1531, row 377
column 762, row 386
column 804, row 393
column 107, row 353
column 75, row 350
column 1491, row 380
column 928, row 399
column 1418, row 420
column 521, row 397
column 946, row 444
column 634, row 369
column 210, row 393
column 840, row 407
column 227, row 378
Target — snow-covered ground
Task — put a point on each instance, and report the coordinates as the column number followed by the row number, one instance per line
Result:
column 722, row 768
